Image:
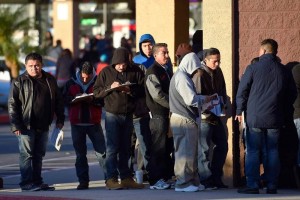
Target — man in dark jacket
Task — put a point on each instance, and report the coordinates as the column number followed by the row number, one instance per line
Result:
column 34, row 99
column 264, row 91
column 209, row 80
column 157, row 83
column 119, row 84
column 85, row 118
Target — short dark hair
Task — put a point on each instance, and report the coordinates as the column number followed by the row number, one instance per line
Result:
column 270, row 46
column 87, row 68
column 34, row 56
column 157, row 46
column 211, row 51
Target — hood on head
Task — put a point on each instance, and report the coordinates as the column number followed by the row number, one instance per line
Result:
column 145, row 38
column 121, row 55
column 189, row 63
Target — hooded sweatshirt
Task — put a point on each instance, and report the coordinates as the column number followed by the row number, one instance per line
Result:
column 183, row 98
column 82, row 113
column 115, row 101
column 141, row 58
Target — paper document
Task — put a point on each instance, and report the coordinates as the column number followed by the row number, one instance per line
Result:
column 122, row 85
column 81, row 97
column 56, row 138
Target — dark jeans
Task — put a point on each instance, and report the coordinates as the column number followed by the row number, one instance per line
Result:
column 212, row 133
column 143, row 134
column 32, row 147
column 158, row 163
column 95, row 133
column 263, row 141
column 118, row 142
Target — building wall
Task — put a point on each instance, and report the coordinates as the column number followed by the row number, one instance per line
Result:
column 276, row 19
column 167, row 21
column 218, row 32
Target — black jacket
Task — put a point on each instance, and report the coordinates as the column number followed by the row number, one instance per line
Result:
column 117, row 102
column 163, row 78
column 20, row 102
column 266, row 91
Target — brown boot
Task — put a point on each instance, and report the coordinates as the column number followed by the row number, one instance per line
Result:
column 130, row 183
column 113, row 184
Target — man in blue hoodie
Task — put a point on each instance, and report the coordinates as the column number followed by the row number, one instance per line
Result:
column 145, row 56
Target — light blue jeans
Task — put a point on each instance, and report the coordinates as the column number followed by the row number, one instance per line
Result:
column 32, row 147
column 263, row 141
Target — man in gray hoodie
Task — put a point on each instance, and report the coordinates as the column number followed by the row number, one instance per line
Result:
column 185, row 104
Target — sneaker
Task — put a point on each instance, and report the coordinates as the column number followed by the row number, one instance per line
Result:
column 190, row 188
column 130, row 183
column 160, row 185
column 113, row 184
column 83, row 186
column 248, row 190
column 30, row 188
column 201, row 187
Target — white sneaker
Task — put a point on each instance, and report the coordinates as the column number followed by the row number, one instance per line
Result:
column 190, row 188
column 201, row 187
column 160, row 185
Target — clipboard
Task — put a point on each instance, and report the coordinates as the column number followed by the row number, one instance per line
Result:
column 122, row 85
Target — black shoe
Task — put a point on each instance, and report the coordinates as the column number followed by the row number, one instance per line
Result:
column 221, row 185
column 46, row 187
column 83, row 186
column 209, row 184
column 271, row 191
column 248, row 190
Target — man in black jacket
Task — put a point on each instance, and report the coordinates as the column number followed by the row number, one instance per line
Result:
column 119, row 85
column 265, row 91
column 157, row 83
column 34, row 99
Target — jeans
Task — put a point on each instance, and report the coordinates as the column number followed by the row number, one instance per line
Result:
column 32, row 147
column 143, row 134
column 297, row 124
column 95, row 133
column 212, row 133
column 158, row 163
column 185, row 134
column 118, row 142
column 263, row 141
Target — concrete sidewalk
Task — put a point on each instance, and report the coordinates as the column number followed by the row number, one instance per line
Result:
column 66, row 183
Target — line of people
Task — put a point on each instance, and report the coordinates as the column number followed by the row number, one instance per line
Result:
column 169, row 113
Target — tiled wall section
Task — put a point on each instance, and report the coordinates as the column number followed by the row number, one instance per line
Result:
column 276, row 19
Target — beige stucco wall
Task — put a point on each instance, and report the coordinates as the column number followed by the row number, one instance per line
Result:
column 166, row 20
column 66, row 24
column 218, row 32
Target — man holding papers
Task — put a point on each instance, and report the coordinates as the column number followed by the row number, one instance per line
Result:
column 119, row 104
column 85, row 118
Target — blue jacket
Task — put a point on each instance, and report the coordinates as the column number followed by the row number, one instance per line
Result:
column 141, row 58
column 265, row 91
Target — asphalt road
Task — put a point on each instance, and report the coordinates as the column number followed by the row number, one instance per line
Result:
column 53, row 161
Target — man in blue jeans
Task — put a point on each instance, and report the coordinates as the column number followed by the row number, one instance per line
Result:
column 264, row 91
column 119, row 84
column 33, row 101
column 85, row 118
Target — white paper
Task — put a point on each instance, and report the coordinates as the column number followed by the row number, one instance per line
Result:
column 56, row 138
